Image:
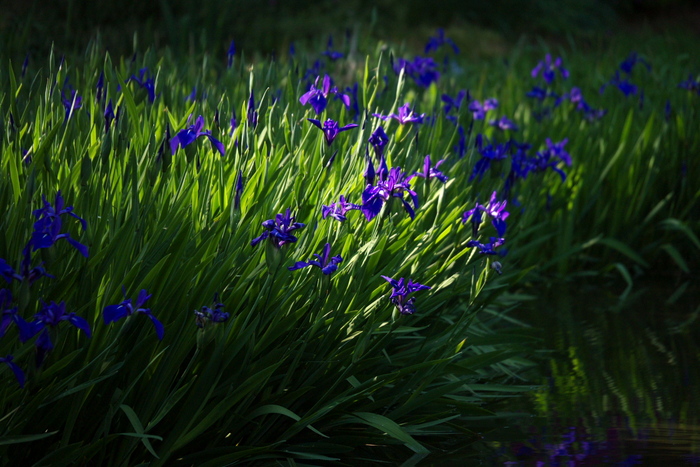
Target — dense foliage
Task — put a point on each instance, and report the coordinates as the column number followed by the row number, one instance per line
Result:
column 294, row 258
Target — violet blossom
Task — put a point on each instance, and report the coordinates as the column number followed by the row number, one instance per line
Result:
column 331, row 129
column 400, row 292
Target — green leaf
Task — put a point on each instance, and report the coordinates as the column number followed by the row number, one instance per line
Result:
column 6, row 440
column 278, row 409
column 676, row 256
column 389, row 427
column 624, row 249
column 138, row 426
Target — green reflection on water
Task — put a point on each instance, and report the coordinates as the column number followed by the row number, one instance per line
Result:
column 638, row 358
column 627, row 367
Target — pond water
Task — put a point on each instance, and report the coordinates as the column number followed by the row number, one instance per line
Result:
column 621, row 385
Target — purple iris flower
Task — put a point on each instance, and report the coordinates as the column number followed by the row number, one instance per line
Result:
column 278, row 230
column 113, row 313
column 494, row 209
column 455, row 103
column 8, row 273
column 48, row 226
column 520, row 165
column 19, row 374
column 187, row 136
column 400, row 292
column 548, row 68
column 71, row 103
column 338, row 210
column 487, row 248
column 325, row 262
column 216, row 314
column 540, row 93
column 435, row 43
column 31, row 275
column 548, row 158
column 145, row 80
column 369, row 173
column 330, row 53
column 391, row 184
column 404, row 116
column 632, row 59
column 50, row 315
column 109, row 115
column 479, row 110
column 589, row 113
column 100, row 87
column 430, row 171
column 423, row 70
column 331, row 129
column 252, row 113
column 191, row 97
column 490, row 152
column 230, row 54
column 557, row 150
column 504, row 123
column 627, row 88
column 691, row 84
column 239, row 190
column 318, row 97
column 575, row 96
column 315, row 70
column 379, row 140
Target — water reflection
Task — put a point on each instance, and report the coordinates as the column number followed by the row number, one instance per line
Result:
column 622, row 386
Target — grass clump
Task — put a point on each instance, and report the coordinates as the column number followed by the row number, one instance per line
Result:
column 165, row 239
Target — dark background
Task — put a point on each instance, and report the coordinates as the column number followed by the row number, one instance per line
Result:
column 271, row 25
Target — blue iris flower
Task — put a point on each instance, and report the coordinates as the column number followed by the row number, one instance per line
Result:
column 626, row 87
column 230, row 54
column 113, row 313
column 392, row 184
column 19, row 374
column 435, row 43
column 331, row 129
column 423, row 70
column 548, row 69
column 325, row 262
column 405, row 115
column 479, row 110
column 278, row 230
column 379, row 139
column 187, row 136
column 494, row 209
column 51, row 315
column 401, row 291
column 215, row 314
column 338, row 210
column 504, row 123
column 455, row 103
column 330, row 53
column 71, row 103
column 430, row 171
column 318, row 96
column 145, row 81
column 47, row 229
